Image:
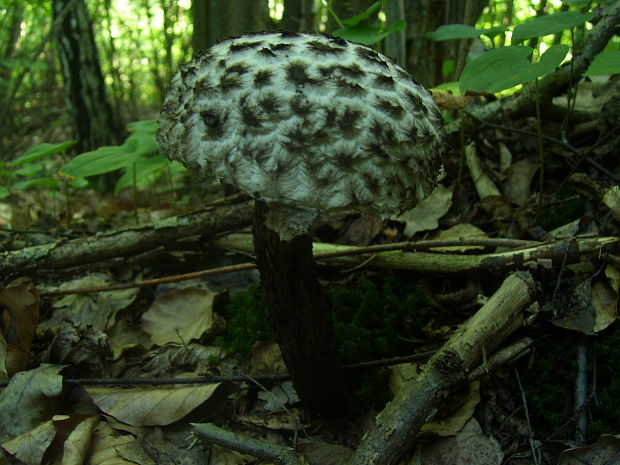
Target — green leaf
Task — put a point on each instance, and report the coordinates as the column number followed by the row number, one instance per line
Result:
column 147, row 125
column 30, row 170
column 4, row 192
column 45, row 182
column 606, row 62
column 41, row 151
column 366, row 33
column 111, row 158
column 462, row 31
column 506, row 67
column 548, row 24
column 355, row 20
column 148, row 170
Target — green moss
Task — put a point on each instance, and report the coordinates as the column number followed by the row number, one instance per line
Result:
column 374, row 316
column 562, row 213
column 246, row 322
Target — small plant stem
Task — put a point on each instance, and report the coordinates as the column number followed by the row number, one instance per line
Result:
column 135, row 195
column 541, row 152
column 581, row 388
column 333, row 13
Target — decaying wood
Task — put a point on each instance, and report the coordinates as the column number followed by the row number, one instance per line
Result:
column 418, row 401
column 125, row 242
column 545, row 254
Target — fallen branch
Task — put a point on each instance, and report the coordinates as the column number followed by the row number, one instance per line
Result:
column 126, row 242
column 418, row 401
column 549, row 253
column 265, row 450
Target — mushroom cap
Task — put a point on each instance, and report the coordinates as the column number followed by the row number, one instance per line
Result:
column 308, row 123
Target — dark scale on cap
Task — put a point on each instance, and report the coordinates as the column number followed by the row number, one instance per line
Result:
column 280, row 47
column 327, row 71
column 249, row 116
column 413, row 134
column 372, row 183
column 382, row 80
column 282, row 167
column 337, row 41
column 321, row 48
column 323, row 181
column 389, row 136
column 300, row 105
column 269, row 103
column 266, row 53
column 237, row 68
column 263, row 77
column 371, row 56
column 296, row 74
column 229, row 82
column 353, row 71
column 344, row 159
column 389, row 106
column 349, row 87
column 376, row 150
column 349, row 119
column 214, row 122
column 330, row 117
column 238, row 47
column 415, row 100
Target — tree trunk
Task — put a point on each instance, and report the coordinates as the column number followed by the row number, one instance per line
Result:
column 294, row 16
column 93, row 121
column 217, row 20
column 300, row 314
column 395, row 42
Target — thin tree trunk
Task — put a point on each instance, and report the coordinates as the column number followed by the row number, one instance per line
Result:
column 395, row 42
column 93, row 121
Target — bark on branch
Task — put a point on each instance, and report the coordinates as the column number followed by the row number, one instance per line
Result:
column 417, row 402
column 126, row 242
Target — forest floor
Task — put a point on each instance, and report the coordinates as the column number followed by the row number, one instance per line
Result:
column 131, row 374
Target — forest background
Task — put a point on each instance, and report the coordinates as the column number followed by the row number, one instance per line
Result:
column 81, row 85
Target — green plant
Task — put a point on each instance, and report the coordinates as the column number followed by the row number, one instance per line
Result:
column 360, row 29
column 138, row 156
column 34, row 169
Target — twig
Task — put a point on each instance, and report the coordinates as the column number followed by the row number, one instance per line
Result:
column 280, row 455
column 530, row 433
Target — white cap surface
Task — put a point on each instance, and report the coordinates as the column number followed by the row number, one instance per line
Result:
column 307, row 123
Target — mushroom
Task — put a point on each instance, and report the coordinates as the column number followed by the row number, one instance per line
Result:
column 306, row 124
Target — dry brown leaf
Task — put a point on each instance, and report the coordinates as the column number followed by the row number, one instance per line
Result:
column 159, row 406
column 322, row 453
column 30, row 447
column 180, row 316
column 266, row 359
column 97, row 310
column 108, row 447
column 77, row 432
column 425, row 215
column 517, row 187
column 470, row 446
column 606, row 451
column 33, row 394
column 20, row 318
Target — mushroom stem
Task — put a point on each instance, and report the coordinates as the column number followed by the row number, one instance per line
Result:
column 300, row 313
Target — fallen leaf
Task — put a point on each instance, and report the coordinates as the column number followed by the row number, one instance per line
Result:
column 108, row 447
column 32, row 393
column 180, row 316
column 20, row 319
column 30, row 447
column 322, row 453
column 517, row 187
column 605, row 451
column 425, row 215
column 159, row 406
column 459, row 231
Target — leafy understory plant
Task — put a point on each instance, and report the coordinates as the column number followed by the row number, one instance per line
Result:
column 359, row 28
column 503, row 68
column 33, row 169
column 138, row 157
